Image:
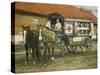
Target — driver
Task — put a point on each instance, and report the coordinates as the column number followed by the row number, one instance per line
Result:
column 58, row 26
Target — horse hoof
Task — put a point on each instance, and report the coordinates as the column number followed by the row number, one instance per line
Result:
column 52, row 59
column 26, row 62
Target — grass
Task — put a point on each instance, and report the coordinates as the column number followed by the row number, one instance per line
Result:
column 68, row 62
column 60, row 64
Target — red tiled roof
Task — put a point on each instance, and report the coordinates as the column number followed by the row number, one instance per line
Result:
column 67, row 11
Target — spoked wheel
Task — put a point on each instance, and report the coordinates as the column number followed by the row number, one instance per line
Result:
column 71, row 48
column 87, row 45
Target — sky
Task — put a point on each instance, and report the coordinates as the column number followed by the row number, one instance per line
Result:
column 93, row 9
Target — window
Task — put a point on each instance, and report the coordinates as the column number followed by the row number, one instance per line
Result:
column 87, row 24
column 84, row 31
column 83, row 28
column 80, row 31
column 87, row 31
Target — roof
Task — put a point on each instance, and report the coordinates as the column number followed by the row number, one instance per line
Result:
column 67, row 11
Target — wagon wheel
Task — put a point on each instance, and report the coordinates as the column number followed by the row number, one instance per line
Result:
column 87, row 45
column 71, row 48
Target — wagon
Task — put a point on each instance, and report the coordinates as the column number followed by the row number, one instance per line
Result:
column 74, row 33
column 77, row 33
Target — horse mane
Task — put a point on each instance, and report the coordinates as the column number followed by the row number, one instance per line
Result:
column 48, row 35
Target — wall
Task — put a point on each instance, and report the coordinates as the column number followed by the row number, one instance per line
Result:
column 26, row 19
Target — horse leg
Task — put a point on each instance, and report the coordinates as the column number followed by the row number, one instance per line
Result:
column 33, row 55
column 38, row 55
column 26, row 48
column 52, row 58
column 45, row 51
column 49, row 53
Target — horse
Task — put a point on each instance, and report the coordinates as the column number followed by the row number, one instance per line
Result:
column 30, row 41
column 41, row 42
column 47, row 42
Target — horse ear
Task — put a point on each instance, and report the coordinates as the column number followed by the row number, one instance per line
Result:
column 37, row 26
column 40, row 25
column 22, row 26
column 29, row 26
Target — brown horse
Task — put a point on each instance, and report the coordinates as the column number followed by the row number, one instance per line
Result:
column 49, row 41
column 30, row 41
column 42, row 41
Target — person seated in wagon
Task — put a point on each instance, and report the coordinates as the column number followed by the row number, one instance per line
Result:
column 57, row 26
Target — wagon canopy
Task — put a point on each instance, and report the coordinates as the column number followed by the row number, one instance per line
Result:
column 52, row 17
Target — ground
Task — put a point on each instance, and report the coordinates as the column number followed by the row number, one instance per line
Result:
column 68, row 62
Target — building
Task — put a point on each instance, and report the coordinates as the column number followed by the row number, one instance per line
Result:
column 23, row 13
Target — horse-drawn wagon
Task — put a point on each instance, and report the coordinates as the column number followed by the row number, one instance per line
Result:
column 66, row 34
